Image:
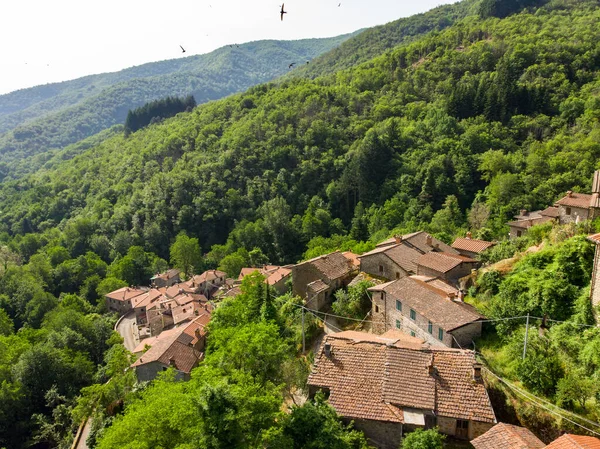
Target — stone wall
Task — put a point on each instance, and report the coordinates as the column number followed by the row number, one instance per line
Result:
column 149, row 371
column 121, row 307
column 302, row 275
column 595, row 294
column 390, row 270
column 516, row 232
column 563, row 218
column 378, row 312
column 382, row 435
column 452, row 276
column 466, row 334
column 477, row 428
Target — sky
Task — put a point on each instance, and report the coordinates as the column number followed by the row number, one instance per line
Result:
column 44, row 41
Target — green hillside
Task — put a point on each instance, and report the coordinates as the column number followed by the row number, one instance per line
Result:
column 454, row 131
column 55, row 115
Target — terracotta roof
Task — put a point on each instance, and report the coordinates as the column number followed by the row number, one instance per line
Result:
column 317, row 286
column 437, row 283
column 401, row 254
column 582, row 200
column 471, row 245
column 594, row 238
column 526, row 224
column 246, row 271
column 177, row 289
column 506, row 436
column 186, row 312
column 167, row 274
column 197, row 327
column 419, row 240
column 353, row 258
column 431, row 302
column 369, row 379
column 172, row 348
column 551, row 211
column 207, row 276
column 393, row 337
column 569, row 441
column 146, row 299
column 442, row 262
column 125, row 293
column 277, row 275
column 331, row 266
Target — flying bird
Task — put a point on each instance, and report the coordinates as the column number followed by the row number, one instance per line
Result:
column 182, row 49
column 291, row 65
column 282, row 12
column 339, row 4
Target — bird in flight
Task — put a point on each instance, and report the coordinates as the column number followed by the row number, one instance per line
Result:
column 291, row 65
column 339, row 4
column 182, row 49
column 282, row 12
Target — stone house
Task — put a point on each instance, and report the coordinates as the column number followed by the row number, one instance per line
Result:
column 577, row 207
column 427, row 308
column 181, row 348
column 140, row 305
column 470, row 247
column 508, row 436
column 570, row 441
column 526, row 220
column 120, row 300
column 166, row 279
column 396, row 257
column 275, row 276
column 391, row 384
column 316, row 279
column 445, row 266
column 207, row 283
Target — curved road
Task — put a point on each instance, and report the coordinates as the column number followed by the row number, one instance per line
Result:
column 128, row 330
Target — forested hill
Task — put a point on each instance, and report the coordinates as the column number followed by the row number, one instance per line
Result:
column 488, row 115
column 55, row 115
column 375, row 41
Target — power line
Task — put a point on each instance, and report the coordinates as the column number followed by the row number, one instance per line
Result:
column 532, row 398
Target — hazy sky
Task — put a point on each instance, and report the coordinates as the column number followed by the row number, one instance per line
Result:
column 44, row 41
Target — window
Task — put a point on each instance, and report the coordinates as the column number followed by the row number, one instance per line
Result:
column 376, row 309
column 430, row 328
column 462, row 428
column 519, row 233
column 412, row 334
column 568, row 211
column 381, row 268
column 413, row 315
column 397, row 275
column 440, row 334
column 398, row 305
column 398, row 324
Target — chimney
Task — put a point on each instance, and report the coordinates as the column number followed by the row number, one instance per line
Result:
column 432, row 370
column 569, row 193
column 469, row 235
column 461, row 295
column 172, row 362
column 436, row 246
column 429, row 240
column 476, row 371
column 451, row 296
column 328, row 350
column 398, row 238
column 524, row 212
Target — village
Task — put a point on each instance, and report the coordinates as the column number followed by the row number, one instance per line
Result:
column 413, row 366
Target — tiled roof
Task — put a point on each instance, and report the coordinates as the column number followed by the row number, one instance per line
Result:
column 419, row 240
column 442, row 262
column 594, row 238
column 277, row 275
column 317, row 286
column 146, row 299
column 186, row 312
column 207, row 276
column 172, row 347
column 471, row 245
column 167, row 274
column 430, row 302
column 437, row 283
column 331, row 266
column 401, row 254
column 551, row 211
column 582, row 200
column 569, row 441
column 246, row 271
column 506, row 436
column 177, row 289
column 370, row 379
column 125, row 293
column 352, row 258
column 526, row 224
column 272, row 273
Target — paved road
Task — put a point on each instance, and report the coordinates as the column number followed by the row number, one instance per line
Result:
column 85, row 433
column 126, row 329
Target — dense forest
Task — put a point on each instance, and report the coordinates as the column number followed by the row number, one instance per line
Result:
column 453, row 131
column 157, row 110
column 44, row 118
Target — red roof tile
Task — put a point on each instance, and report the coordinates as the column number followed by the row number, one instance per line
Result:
column 442, row 262
column 125, row 293
column 331, row 266
column 506, row 436
column 594, row 238
column 375, row 380
column 569, row 441
column 471, row 245
column 582, row 200
column 171, row 348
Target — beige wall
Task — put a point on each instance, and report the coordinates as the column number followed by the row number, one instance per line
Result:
column 595, row 294
column 466, row 334
column 391, row 270
column 382, row 435
column 121, row 307
column 452, row 276
column 563, row 218
column 302, row 275
column 514, row 232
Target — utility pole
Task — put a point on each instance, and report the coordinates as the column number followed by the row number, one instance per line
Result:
column 303, row 340
column 526, row 334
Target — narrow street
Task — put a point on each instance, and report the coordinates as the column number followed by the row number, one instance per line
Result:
column 127, row 329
